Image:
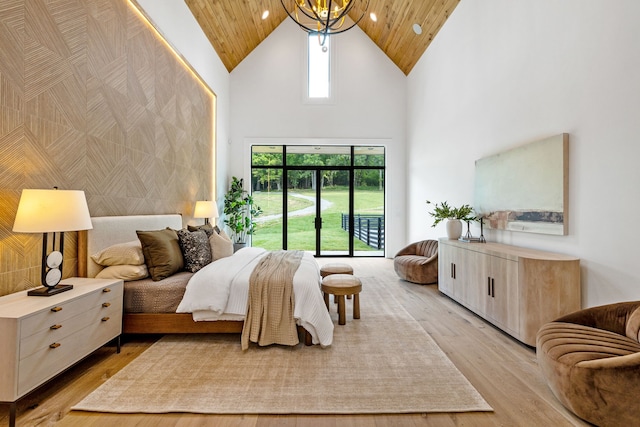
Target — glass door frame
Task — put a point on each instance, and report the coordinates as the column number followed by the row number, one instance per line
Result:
column 317, row 169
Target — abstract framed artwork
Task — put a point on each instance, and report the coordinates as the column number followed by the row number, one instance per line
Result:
column 525, row 188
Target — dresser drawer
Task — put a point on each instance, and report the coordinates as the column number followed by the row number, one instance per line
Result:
column 49, row 361
column 43, row 320
column 101, row 326
column 106, row 326
column 110, row 308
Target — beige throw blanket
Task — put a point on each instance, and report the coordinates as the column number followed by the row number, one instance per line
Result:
column 270, row 307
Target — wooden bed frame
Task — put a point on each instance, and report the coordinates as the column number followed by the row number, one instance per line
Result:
column 111, row 230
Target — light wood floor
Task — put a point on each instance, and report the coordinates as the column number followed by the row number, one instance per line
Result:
column 502, row 370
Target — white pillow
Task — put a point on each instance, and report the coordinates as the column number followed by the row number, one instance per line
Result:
column 221, row 245
column 124, row 272
column 129, row 253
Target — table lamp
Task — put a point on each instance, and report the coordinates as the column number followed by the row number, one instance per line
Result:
column 52, row 211
column 205, row 209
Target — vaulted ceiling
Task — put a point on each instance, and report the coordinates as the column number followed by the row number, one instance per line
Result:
column 236, row 27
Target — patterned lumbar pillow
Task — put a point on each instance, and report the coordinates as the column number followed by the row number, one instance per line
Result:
column 195, row 247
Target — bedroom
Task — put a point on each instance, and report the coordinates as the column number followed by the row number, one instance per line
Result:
column 474, row 89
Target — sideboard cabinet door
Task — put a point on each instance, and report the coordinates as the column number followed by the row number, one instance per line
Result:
column 502, row 294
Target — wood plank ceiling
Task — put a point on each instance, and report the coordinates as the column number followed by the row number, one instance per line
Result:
column 236, row 27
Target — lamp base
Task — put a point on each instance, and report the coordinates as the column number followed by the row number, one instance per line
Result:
column 46, row 291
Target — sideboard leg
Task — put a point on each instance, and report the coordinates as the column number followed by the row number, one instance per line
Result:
column 12, row 414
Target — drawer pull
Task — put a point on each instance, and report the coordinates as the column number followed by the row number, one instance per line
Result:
column 105, row 290
column 56, row 309
column 54, row 345
column 104, row 319
column 55, row 327
column 106, row 304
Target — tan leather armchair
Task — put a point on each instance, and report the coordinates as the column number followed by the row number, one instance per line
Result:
column 591, row 361
column 418, row 262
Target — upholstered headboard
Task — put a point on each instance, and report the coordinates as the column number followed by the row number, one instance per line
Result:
column 109, row 230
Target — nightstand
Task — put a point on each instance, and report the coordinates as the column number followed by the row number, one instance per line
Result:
column 41, row 337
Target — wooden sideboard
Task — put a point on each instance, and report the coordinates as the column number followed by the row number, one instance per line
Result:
column 516, row 289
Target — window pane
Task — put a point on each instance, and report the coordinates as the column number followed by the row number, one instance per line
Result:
column 301, row 213
column 318, row 155
column 369, row 156
column 334, row 203
column 265, row 155
column 368, row 221
column 318, row 67
column 267, row 193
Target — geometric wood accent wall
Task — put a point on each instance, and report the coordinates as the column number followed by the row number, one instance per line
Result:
column 91, row 99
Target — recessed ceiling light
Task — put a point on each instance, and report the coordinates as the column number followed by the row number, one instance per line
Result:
column 373, row 17
column 265, row 14
column 417, row 29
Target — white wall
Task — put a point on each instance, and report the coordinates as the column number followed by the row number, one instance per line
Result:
column 267, row 105
column 502, row 73
column 176, row 23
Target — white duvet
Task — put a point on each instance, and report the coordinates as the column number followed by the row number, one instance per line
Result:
column 222, row 288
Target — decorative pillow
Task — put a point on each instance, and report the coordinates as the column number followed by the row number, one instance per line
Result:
column 129, row 253
column 162, row 252
column 195, row 247
column 221, row 245
column 124, row 272
column 207, row 228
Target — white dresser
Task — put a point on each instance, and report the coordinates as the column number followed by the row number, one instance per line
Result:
column 42, row 336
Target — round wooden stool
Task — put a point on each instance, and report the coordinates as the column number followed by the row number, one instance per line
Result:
column 340, row 285
column 335, row 268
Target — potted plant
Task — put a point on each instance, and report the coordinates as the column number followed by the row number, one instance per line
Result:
column 239, row 210
column 453, row 215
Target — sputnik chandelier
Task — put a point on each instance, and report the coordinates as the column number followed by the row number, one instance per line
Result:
column 322, row 17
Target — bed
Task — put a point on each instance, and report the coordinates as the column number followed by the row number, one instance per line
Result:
column 160, row 316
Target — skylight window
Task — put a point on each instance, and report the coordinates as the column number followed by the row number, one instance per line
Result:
column 319, row 67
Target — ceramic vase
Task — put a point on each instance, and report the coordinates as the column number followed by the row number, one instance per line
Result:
column 454, row 229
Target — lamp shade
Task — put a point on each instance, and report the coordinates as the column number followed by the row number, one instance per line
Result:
column 44, row 211
column 205, row 209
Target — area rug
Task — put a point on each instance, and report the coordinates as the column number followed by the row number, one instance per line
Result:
column 382, row 363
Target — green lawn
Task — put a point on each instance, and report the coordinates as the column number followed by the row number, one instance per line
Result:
column 301, row 229
column 271, row 203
